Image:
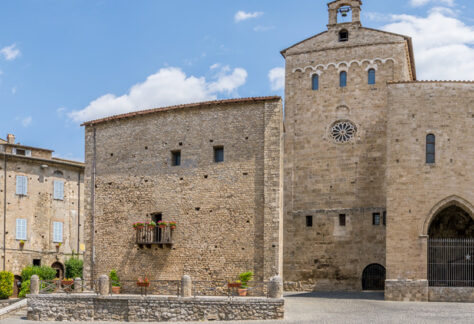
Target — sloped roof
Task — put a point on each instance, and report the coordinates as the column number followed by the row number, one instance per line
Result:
column 191, row 105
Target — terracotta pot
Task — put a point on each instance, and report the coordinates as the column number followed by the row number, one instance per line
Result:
column 234, row 285
column 242, row 292
column 67, row 282
column 173, row 227
column 162, row 226
column 143, row 284
column 115, row 289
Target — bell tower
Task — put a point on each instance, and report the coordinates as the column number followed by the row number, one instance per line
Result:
column 340, row 10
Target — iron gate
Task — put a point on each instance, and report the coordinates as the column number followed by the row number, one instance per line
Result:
column 373, row 277
column 451, row 262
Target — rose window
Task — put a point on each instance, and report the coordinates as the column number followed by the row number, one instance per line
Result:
column 343, row 131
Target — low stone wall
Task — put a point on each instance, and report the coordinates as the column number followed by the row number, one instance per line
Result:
column 133, row 308
column 451, row 294
column 406, row 290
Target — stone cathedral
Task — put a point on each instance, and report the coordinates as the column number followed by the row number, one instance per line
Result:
column 365, row 184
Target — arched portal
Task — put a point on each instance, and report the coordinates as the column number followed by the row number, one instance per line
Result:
column 16, row 286
column 59, row 269
column 373, row 277
column 451, row 248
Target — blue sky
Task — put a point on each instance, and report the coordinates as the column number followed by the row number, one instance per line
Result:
column 66, row 61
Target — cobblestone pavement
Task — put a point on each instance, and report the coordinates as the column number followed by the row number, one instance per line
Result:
column 350, row 308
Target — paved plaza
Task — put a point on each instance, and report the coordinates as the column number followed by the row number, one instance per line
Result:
column 349, row 308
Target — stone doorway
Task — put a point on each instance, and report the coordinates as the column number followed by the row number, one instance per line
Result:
column 373, row 277
column 16, row 286
column 59, row 269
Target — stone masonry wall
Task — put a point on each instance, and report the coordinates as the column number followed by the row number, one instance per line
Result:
column 324, row 179
column 228, row 214
column 151, row 308
column 417, row 191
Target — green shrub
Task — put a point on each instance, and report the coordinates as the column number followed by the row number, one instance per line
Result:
column 114, row 279
column 25, row 288
column 6, row 284
column 43, row 272
column 245, row 277
column 74, row 268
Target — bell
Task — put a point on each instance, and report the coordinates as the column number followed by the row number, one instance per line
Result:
column 344, row 14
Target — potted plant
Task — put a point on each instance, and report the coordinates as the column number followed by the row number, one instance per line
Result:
column 172, row 225
column 22, row 244
column 138, row 225
column 162, row 224
column 114, row 281
column 67, row 282
column 245, row 277
column 58, row 245
column 143, row 282
column 150, row 225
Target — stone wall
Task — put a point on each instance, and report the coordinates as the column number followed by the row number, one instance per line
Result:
column 418, row 191
column 323, row 178
column 406, row 290
column 228, row 214
column 451, row 294
column 84, row 307
column 40, row 209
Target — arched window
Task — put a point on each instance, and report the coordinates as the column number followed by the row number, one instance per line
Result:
column 372, row 76
column 430, row 148
column 343, row 79
column 315, row 82
column 343, row 35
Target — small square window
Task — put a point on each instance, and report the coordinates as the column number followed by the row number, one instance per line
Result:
column 37, row 262
column 376, row 219
column 218, row 154
column 309, row 221
column 175, row 158
column 342, row 219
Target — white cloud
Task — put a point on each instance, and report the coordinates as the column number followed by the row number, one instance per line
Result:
column 277, row 78
column 10, row 52
column 215, row 66
column 242, row 15
column 169, row 86
column 25, row 122
column 443, row 44
column 419, row 3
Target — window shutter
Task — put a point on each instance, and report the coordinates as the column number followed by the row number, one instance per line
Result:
column 57, row 232
column 21, row 229
column 14, row 150
column 25, row 185
column 28, row 153
column 58, row 190
column 21, row 185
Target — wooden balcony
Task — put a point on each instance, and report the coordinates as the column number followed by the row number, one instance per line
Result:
column 146, row 236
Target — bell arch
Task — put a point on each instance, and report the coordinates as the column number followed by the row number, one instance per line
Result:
column 442, row 206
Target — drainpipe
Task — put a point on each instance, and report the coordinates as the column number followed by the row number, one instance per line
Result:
column 78, row 211
column 93, row 203
column 4, row 210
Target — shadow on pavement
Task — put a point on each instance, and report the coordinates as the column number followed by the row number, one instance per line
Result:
column 370, row 295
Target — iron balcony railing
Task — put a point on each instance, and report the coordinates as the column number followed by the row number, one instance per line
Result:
column 451, row 262
column 154, row 235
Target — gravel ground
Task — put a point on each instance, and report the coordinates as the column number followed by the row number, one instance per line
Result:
column 350, row 308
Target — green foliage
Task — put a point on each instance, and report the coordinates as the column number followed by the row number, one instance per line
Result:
column 245, row 277
column 25, row 288
column 43, row 272
column 114, row 279
column 6, row 284
column 74, row 267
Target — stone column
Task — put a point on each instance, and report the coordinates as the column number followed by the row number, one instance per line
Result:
column 275, row 287
column 34, row 285
column 103, row 285
column 186, row 286
column 77, row 285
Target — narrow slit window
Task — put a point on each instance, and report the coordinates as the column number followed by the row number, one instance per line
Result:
column 342, row 219
column 376, row 219
column 372, row 76
column 309, row 221
column 176, row 158
column 315, row 82
column 343, row 79
column 384, row 218
column 430, row 148
column 218, row 154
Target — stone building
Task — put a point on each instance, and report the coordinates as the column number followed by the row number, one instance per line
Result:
column 212, row 167
column 359, row 193
column 41, row 207
column 377, row 176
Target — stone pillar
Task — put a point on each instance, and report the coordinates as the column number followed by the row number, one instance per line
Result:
column 186, row 286
column 332, row 16
column 275, row 287
column 77, row 285
column 34, row 285
column 103, row 285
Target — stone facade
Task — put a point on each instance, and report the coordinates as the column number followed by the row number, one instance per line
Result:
column 38, row 207
column 228, row 214
column 129, row 308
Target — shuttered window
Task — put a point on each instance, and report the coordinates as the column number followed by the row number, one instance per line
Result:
column 21, row 185
column 21, row 229
column 57, row 232
column 58, row 190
